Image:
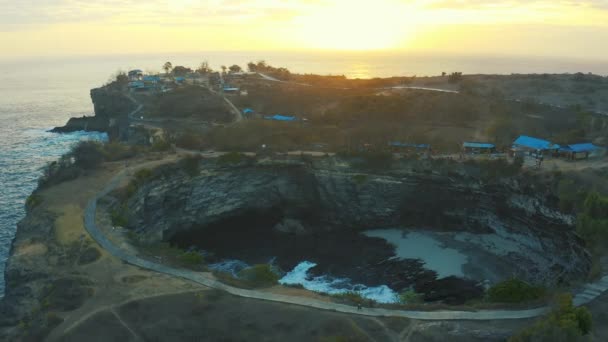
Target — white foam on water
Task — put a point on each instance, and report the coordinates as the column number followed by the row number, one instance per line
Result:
column 329, row 285
column 229, row 266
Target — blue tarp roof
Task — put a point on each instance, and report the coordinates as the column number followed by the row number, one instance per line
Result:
column 279, row 117
column 151, row 78
column 401, row 144
column 535, row 143
column 584, row 147
column 478, row 145
column 248, row 111
column 180, row 79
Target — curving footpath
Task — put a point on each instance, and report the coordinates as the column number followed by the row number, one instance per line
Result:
column 587, row 294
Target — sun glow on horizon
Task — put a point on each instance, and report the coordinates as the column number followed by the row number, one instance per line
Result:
column 353, row 25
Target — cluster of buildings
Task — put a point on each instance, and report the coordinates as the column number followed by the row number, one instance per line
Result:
column 537, row 148
column 139, row 81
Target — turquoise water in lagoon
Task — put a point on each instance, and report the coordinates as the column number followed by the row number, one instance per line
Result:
column 38, row 94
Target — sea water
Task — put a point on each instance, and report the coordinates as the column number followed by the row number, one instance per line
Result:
column 325, row 284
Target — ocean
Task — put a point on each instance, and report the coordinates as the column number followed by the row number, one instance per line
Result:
column 37, row 94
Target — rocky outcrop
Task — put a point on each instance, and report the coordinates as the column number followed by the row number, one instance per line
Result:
column 111, row 107
column 307, row 204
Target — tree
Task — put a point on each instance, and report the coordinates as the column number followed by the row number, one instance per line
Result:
column 87, row 154
column 204, row 68
column 455, row 77
column 252, row 67
column 224, row 69
column 181, row 70
column 235, row 68
column 167, row 67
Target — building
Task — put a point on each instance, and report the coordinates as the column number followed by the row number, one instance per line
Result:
column 478, row 147
column 248, row 112
column 137, row 85
column 398, row 146
column 579, row 151
column 135, row 75
column 279, row 117
column 525, row 144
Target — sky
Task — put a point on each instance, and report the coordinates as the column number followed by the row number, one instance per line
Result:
column 572, row 29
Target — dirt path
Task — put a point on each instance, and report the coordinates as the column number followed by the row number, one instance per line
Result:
column 585, row 295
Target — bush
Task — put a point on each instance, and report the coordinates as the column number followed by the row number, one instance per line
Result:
column 592, row 223
column 565, row 323
column 231, row 158
column 353, row 298
column 33, row 201
column 260, row 275
column 191, row 165
column 514, row 291
column 360, row 179
column 191, row 258
column 88, row 154
column 410, row 297
column 116, row 151
column 120, row 216
column 160, row 145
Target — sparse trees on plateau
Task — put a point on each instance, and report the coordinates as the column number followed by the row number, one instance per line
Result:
column 167, row 67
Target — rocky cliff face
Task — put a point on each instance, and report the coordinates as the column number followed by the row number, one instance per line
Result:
column 111, row 109
column 509, row 220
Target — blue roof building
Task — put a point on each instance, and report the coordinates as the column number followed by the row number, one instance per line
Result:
column 531, row 143
column 279, row 117
column 478, row 145
column 409, row 145
column 580, row 148
column 153, row 79
column 248, row 111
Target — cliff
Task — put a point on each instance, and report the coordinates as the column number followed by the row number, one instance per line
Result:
column 512, row 222
column 111, row 107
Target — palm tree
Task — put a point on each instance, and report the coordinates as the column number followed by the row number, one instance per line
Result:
column 167, row 67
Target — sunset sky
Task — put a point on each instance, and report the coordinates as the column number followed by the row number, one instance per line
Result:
column 577, row 29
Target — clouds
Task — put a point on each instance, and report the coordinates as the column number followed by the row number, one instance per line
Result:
column 24, row 14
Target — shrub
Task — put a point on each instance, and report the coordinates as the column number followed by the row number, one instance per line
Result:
column 565, row 323
column 191, row 165
column 160, row 145
column 592, row 223
column 191, row 258
column 360, row 179
column 514, row 291
column 33, row 201
column 116, row 151
column 260, row 275
column 410, row 297
column 353, row 298
column 88, row 154
column 231, row 158
column 120, row 216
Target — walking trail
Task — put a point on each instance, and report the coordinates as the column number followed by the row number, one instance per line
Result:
column 586, row 294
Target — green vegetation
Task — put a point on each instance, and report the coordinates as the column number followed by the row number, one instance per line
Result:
column 353, row 298
column 593, row 220
column 139, row 178
column 160, row 145
column 33, row 201
column 565, row 323
column 514, row 291
column 370, row 160
column 191, row 165
column 191, row 102
column 231, row 158
column 115, row 151
column 120, row 216
column 260, row 275
column 410, row 297
column 191, row 258
column 360, row 179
